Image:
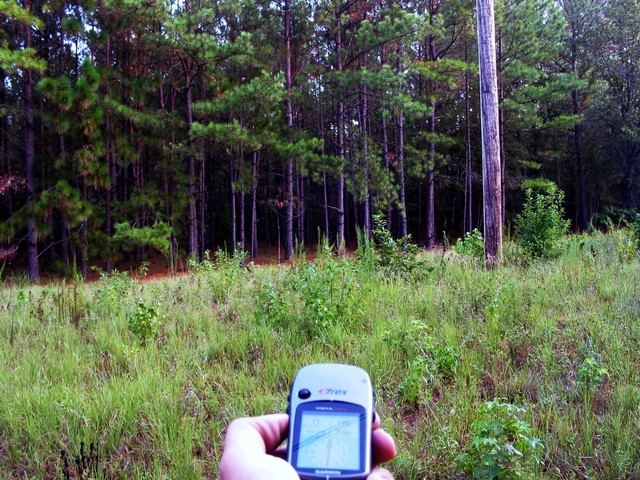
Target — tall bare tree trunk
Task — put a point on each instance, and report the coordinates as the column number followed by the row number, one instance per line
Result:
column 324, row 174
column 191, row 166
column 110, row 159
column 431, row 195
column 191, row 158
column 400, row 161
column 29, row 148
column 385, row 142
column 401, row 177
column 288, row 234
column 501, row 124
column 365, row 152
column 202, row 191
column 340, row 238
column 431, row 190
column 386, row 163
column 243, row 243
column 254, row 206
column 468, row 186
column 491, row 176
column 300, row 205
column 583, row 219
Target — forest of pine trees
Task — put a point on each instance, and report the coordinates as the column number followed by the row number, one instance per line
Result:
column 132, row 128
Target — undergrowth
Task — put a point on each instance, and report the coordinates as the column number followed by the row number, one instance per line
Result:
column 523, row 371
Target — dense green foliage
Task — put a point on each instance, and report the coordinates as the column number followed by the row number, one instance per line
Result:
column 524, row 370
column 541, row 224
column 132, row 127
column 471, row 245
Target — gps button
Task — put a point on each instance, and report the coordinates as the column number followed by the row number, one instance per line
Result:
column 304, row 394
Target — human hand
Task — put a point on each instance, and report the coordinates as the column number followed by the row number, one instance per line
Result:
column 251, row 450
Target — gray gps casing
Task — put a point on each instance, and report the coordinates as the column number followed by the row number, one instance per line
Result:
column 331, row 413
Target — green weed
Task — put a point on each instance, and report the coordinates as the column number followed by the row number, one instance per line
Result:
column 472, row 245
column 501, row 444
column 144, row 322
column 541, row 225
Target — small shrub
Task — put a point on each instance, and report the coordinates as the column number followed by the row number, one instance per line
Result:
column 501, row 444
column 314, row 298
column 636, row 229
column 433, row 363
column 472, row 245
column 144, row 322
column 626, row 246
column 412, row 389
column 540, row 225
column 446, row 359
column 274, row 308
column 591, row 374
column 113, row 288
column 394, row 256
column 329, row 295
column 366, row 253
column 222, row 274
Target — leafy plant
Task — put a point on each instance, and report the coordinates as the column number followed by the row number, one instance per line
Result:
column 434, row 362
column 113, row 287
column 144, row 322
column 274, row 307
column 591, row 374
column 412, row 389
column 636, row 228
column 540, row 225
column 446, row 360
column 395, row 256
column 329, row 295
column 626, row 246
column 472, row 245
column 222, row 273
column 501, row 445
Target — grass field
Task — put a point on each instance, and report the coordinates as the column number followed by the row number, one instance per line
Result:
column 530, row 370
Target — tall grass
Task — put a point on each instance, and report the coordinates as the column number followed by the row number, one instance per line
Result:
column 81, row 397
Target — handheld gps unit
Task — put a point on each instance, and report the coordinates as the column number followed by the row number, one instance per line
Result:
column 331, row 414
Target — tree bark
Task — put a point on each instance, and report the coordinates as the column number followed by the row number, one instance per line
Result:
column 582, row 220
column 365, row 153
column 243, row 242
column 254, row 207
column 340, row 238
column 191, row 160
column 468, row 186
column 288, row 235
column 110, row 159
column 234, row 224
column 300, row 206
column 386, row 163
column 29, row 147
column 431, row 191
column 191, row 166
column 491, row 176
column 501, row 124
column 431, row 195
column 400, row 171
column 402, row 202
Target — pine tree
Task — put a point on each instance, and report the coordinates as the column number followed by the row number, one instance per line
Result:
column 21, row 59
